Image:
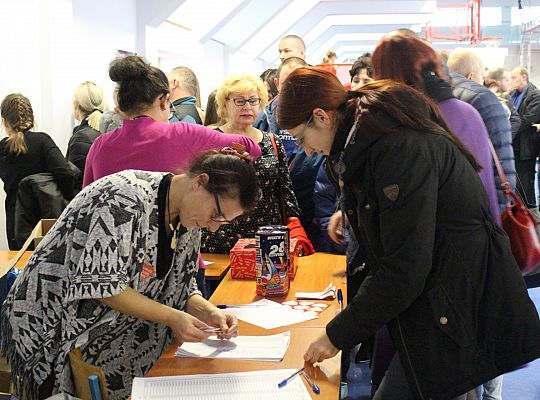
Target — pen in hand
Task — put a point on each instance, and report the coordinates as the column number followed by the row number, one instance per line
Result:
column 287, row 380
column 316, row 389
column 340, row 299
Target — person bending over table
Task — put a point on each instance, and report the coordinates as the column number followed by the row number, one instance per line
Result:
column 115, row 275
column 442, row 276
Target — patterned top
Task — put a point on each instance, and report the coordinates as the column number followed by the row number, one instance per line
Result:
column 276, row 188
column 108, row 238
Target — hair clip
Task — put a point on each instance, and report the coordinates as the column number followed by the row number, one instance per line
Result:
column 236, row 149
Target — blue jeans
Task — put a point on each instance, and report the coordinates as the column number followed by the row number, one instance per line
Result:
column 493, row 389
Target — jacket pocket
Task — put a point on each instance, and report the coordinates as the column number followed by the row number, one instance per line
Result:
column 448, row 318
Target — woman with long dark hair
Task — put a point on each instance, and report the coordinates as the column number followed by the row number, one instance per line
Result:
column 441, row 276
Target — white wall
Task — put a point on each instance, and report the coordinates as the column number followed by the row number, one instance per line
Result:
column 50, row 46
column 169, row 46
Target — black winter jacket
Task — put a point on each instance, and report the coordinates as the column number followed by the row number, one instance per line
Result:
column 43, row 156
column 38, row 197
column 527, row 141
column 78, row 147
column 442, row 275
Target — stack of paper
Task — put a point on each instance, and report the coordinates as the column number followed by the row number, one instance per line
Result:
column 262, row 348
column 260, row 385
column 269, row 314
column 329, row 294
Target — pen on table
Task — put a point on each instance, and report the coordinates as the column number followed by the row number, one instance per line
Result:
column 224, row 306
column 316, row 389
column 285, row 381
column 340, row 299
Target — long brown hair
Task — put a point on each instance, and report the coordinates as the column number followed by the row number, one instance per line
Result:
column 404, row 58
column 409, row 107
column 304, row 90
column 308, row 88
column 19, row 116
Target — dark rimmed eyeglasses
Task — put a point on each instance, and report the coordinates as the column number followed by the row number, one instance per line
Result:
column 219, row 217
column 301, row 138
column 240, row 102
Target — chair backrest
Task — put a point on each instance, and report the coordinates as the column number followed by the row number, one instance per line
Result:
column 81, row 371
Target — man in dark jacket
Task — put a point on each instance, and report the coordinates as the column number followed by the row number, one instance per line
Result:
column 467, row 80
column 526, row 99
column 183, row 88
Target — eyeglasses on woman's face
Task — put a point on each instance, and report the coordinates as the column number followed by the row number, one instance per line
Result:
column 301, row 137
column 241, row 101
column 219, row 217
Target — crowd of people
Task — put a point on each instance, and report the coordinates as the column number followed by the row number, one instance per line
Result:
column 397, row 173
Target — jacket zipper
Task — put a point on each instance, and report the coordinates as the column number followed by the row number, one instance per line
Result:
column 409, row 360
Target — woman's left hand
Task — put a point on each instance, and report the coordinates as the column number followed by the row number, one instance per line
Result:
column 320, row 350
column 226, row 322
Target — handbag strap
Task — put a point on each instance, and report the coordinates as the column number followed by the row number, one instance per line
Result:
column 6, row 267
column 500, row 171
column 283, row 212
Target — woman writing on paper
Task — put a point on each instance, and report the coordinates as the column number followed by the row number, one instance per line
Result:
column 115, row 275
column 442, row 276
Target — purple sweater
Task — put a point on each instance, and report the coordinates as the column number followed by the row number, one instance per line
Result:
column 467, row 124
column 150, row 145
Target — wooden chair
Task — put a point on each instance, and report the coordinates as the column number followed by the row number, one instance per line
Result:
column 81, row 371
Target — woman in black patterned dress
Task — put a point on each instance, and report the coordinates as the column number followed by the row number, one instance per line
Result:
column 239, row 100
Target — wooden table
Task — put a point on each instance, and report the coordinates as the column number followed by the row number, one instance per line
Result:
column 6, row 255
column 220, row 266
column 314, row 274
column 326, row 374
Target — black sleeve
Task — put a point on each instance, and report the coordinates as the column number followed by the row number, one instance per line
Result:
column 56, row 164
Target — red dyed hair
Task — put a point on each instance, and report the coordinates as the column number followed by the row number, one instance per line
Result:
column 304, row 90
column 404, row 58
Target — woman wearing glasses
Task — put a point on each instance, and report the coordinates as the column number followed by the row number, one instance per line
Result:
column 239, row 100
column 115, row 275
column 146, row 141
column 441, row 276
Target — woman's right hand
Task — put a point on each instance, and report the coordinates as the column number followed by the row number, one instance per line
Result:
column 187, row 328
column 335, row 228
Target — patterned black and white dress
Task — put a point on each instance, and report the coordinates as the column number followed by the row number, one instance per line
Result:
column 277, row 192
column 110, row 237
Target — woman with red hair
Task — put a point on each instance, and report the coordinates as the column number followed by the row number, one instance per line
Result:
column 415, row 63
column 440, row 268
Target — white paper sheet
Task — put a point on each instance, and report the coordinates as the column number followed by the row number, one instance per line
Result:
column 207, row 262
column 270, row 315
column 262, row 348
column 260, row 385
column 328, row 293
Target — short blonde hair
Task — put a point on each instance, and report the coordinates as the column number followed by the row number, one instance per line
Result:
column 464, row 62
column 236, row 85
column 89, row 99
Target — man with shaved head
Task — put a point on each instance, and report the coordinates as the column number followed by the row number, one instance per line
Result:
column 292, row 46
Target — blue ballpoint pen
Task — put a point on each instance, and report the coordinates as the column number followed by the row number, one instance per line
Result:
column 340, row 299
column 285, row 381
column 316, row 389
